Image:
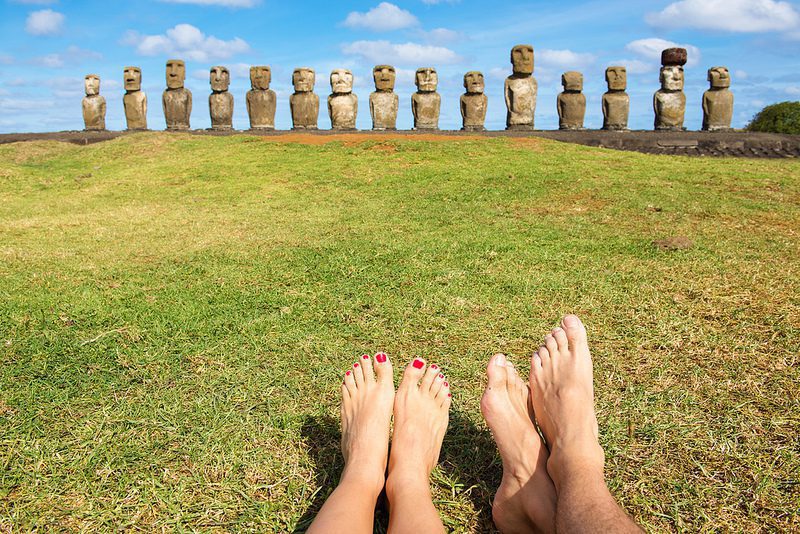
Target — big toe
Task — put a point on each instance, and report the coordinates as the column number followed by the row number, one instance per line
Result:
column 576, row 332
column 496, row 371
column 383, row 369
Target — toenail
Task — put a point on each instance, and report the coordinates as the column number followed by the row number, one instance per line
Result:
column 418, row 364
column 446, row 385
column 348, row 373
column 441, row 375
column 366, row 357
column 449, row 394
column 570, row 320
column 355, row 365
column 380, row 357
column 434, row 366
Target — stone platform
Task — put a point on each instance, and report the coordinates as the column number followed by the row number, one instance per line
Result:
column 716, row 144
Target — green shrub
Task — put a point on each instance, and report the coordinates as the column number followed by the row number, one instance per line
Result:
column 777, row 118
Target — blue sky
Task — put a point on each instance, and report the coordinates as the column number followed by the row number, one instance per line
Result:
column 47, row 46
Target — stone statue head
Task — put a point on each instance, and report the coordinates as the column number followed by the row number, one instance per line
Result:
column 426, row 79
column 260, row 77
column 385, row 77
column 176, row 73
column 617, row 78
column 719, row 77
column 672, row 78
column 220, row 79
column 572, row 81
column 133, row 79
column 91, row 84
column 341, row 81
column 522, row 59
column 303, row 79
column 473, row 82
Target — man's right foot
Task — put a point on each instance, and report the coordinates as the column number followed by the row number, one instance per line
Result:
column 563, row 399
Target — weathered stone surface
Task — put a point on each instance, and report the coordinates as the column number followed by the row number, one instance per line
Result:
column 135, row 100
column 571, row 102
column 342, row 103
column 426, row 102
column 718, row 101
column 94, row 105
column 616, row 102
column 474, row 102
column 521, row 90
column 304, row 103
column 669, row 102
column 220, row 101
column 384, row 103
column 261, row 100
column 674, row 57
column 177, row 100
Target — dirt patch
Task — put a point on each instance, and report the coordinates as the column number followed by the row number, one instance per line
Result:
column 532, row 143
column 352, row 139
column 679, row 242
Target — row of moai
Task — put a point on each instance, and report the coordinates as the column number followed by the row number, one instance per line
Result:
column 521, row 90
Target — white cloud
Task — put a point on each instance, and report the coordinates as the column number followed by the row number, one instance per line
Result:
column 72, row 54
column 636, row 66
column 383, row 17
column 23, row 104
column 225, row 3
column 651, row 49
column 727, row 15
column 401, row 53
column 793, row 90
column 186, row 41
column 742, row 75
column 440, row 36
column 564, row 59
column 44, row 22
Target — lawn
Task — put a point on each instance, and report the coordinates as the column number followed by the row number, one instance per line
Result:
column 176, row 312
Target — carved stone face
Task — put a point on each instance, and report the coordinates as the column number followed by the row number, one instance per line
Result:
column 303, row 80
column 522, row 59
column 617, row 78
column 260, row 77
column 385, row 77
column 92, row 84
column 672, row 78
column 427, row 80
column 719, row 77
column 176, row 73
column 473, row 82
column 220, row 79
column 341, row 81
column 572, row 81
column 133, row 79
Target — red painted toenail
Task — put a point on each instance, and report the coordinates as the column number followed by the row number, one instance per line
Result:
column 380, row 357
column 434, row 366
column 441, row 375
column 348, row 373
column 366, row 357
column 418, row 364
column 446, row 385
column 449, row 394
column 355, row 365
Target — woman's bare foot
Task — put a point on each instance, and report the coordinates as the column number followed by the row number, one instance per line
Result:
column 526, row 499
column 367, row 400
column 563, row 399
column 421, row 413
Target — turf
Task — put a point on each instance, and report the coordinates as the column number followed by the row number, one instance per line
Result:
column 176, row 312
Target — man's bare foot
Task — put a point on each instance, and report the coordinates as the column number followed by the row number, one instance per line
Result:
column 526, row 499
column 366, row 416
column 562, row 391
column 421, row 413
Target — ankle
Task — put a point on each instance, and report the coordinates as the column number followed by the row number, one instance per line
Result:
column 583, row 462
column 369, row 480
column 407, row 480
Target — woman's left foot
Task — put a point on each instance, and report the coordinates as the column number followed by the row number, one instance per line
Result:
column 367, row 400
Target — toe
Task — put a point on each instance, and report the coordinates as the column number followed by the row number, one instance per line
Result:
column 383, row 368
column 551, row 344
column 438, row 383
column 429, row 377
column 576, row 333
column 350, row 382
column 497, row 371
column 366, row 368
column 561, row 339
column 413, row 373
column 358, row 374
column 444, row 395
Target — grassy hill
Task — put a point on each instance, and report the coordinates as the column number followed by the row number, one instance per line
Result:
column 176, row 312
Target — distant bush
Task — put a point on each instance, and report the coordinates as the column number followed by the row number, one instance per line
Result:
column 777, row 118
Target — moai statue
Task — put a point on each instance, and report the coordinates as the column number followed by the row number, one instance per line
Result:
column 94, row 105
column 261, row 99
column 342, row 103
column 383, row 103
column 304, row 103
column 135, row 100
column 521, row 89
column 177, row 100
column 220, row 101
column 669, row 102
column 571, row 102
column 426, row 102
column 474, row 102
column 616, row 102
column 718, row 101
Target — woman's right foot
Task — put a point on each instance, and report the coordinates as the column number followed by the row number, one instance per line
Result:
column 526, row 499
column 563, row 399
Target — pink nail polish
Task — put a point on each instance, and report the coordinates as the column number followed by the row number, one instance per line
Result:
column 365, row 357
column 441, row 375
column 380, row 357
column 434, row 366
column 418, row 364
column 355, row 365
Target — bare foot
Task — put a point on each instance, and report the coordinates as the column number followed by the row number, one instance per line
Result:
column 526, row 499
column 421, row 412
column 563, row 399
column 366, row 415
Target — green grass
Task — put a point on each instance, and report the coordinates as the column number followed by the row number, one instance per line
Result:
column 176, row 313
